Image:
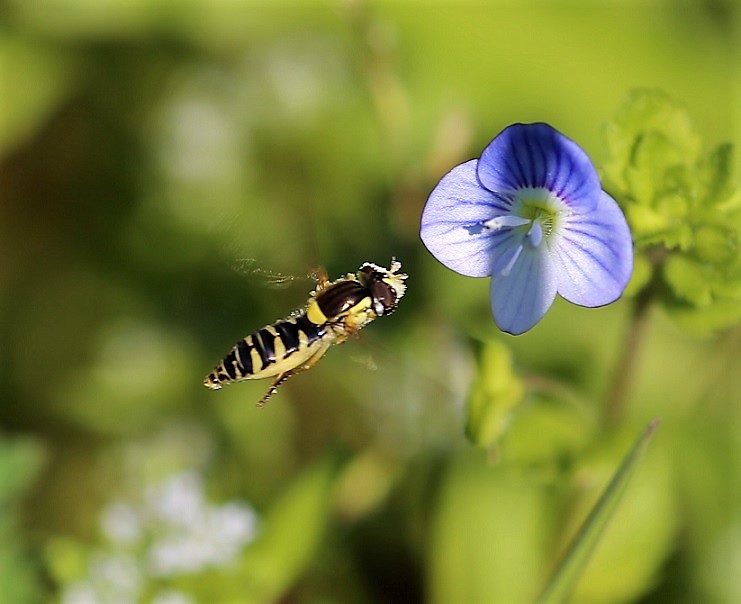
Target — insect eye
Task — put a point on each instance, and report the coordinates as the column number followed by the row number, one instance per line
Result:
column 384, row 297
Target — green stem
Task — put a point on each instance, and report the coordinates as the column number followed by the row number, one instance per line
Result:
column 622, row 381
column 624, row 376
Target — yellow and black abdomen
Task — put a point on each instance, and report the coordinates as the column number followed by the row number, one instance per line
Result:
column 272, row 350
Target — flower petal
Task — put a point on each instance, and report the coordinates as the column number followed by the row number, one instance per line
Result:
column 594, row 255
column 538, row 156
column 452, row 222
column 520, row 298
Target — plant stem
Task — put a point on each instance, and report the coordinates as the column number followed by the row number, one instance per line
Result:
column 622, row 381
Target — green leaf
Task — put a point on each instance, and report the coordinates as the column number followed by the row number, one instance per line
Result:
column 496, row 392
column 546, row 430
column 655, row 168
column 290, row 536
column 581, row 549
column 18, row 581
column 715, row 175
column 488, row 534
column 720, row 315
column 648, row 129
column 652, row 226
column 689, row 280
column 20, row 462
column 707, row 296
column 36, row 79
column 716, row 244
column 66, row 559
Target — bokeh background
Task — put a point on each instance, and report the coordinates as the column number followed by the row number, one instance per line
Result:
column 170, row 171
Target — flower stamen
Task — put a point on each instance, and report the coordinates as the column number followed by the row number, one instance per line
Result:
column 508, row 269
column 505, row 221
column 510, row 221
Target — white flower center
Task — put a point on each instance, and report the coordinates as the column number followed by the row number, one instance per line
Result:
column 537, row 209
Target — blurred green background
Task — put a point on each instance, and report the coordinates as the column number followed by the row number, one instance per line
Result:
column 169, row 173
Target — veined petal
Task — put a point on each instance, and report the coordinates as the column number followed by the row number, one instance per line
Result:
column 521, row 298
column 594, row 255
column 537, row 155
column 452, row 222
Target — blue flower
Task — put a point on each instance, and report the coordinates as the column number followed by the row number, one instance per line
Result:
column 530, row 213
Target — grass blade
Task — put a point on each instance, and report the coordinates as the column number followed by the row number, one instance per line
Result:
column 579, row 551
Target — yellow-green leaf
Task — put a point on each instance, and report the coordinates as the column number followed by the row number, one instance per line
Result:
column 497, row 390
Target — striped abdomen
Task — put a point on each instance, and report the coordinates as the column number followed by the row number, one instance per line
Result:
column 272, row 350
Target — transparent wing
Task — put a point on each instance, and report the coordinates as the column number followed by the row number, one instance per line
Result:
column 250, row 267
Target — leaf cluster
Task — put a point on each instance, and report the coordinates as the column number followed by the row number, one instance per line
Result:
column 683, row 208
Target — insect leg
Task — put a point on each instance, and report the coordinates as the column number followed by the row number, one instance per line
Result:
column 310, row 362
column 274, row 387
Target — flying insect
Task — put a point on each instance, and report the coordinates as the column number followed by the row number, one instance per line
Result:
column 335, row 311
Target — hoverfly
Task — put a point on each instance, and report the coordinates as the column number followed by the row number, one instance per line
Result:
column 335, row 311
